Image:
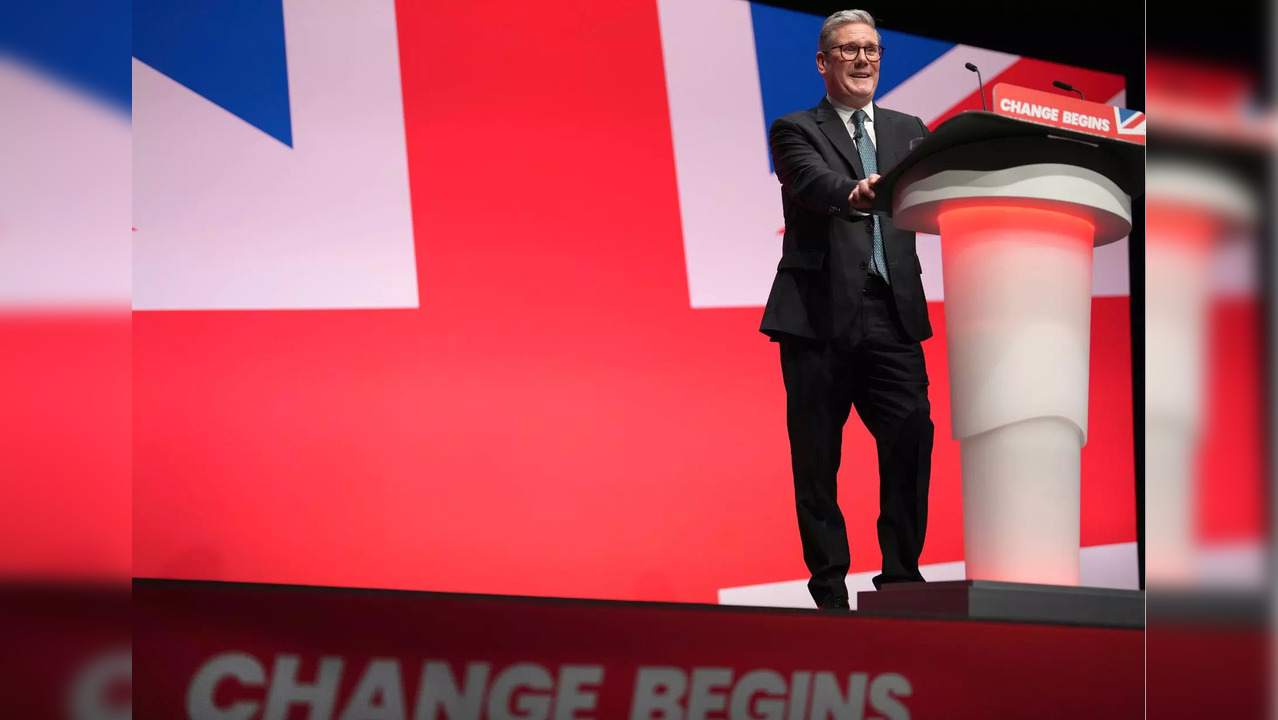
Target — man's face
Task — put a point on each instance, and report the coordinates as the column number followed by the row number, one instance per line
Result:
column 851, row 82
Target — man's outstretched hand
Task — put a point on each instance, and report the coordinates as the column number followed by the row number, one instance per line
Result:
column 863, row 193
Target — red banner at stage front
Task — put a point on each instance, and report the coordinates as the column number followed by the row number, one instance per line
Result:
column 1069, row 113
column 206, row 650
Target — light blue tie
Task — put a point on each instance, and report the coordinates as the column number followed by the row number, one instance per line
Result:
column 865, row 148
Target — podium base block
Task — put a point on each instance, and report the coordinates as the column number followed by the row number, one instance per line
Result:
column 1008, row 601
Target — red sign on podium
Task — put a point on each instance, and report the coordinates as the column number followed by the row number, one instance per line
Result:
column 1068, row 113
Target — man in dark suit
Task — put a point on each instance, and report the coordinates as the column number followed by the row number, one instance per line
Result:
column 848, row 310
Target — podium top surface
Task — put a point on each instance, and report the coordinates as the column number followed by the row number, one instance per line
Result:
column 977, row 126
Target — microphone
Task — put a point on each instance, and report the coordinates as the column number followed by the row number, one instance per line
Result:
column 1068, row 88
column 979, row 83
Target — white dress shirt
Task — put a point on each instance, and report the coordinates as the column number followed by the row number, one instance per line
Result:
column 845, row 114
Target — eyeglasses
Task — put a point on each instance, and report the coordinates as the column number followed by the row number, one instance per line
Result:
column 850, row 51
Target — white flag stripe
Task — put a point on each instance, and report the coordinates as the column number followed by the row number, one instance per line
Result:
column 229, row 218
column 937, row 88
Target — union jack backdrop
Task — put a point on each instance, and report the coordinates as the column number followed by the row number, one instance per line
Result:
column 463, row 297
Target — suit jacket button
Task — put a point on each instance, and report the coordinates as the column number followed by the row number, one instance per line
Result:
column 864, row 265
column 834, row 210
column 869, row 226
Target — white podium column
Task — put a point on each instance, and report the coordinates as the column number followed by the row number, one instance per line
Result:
column 1018, row 291
column 1016, row 248
column 1192, row 208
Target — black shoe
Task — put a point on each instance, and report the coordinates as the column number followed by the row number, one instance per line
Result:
column 835, row 604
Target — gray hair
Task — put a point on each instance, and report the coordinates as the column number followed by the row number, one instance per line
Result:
column 841, row 18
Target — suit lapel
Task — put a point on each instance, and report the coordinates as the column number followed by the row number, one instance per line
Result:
column 828, row 120
column 889, row 140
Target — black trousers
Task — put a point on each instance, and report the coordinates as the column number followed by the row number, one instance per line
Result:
column 875, row 368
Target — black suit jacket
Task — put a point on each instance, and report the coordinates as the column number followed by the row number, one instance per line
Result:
column 826, row 250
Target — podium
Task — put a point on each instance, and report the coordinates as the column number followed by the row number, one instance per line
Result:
column 1019, row 207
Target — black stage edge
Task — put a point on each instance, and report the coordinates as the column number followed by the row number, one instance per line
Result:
column 1008, row 601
